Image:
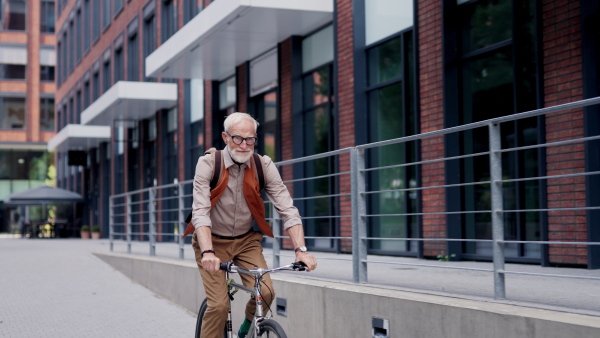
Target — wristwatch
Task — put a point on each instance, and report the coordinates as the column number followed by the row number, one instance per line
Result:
column 301, row 248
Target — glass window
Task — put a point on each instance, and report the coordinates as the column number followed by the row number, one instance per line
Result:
column 133, row 69
column 12, row 113
column 227, row 93
column 318, row 137
column 149, row 40
column 47, row 113
column 59, row 57
column 190, row 9
column 385, row 62
column 391, row 114
column 12, row 72
column 47, row 73
column 86, row 94
column 107, row 82
column 496, row 77
column 13, row 15
column 169, row 19
column 47, row 16
column 384, row 18
column 95, row 20
column 72, row 46
column 105, row 13
column 317, row 49
column 119, row 66
column 172, row 120
column 95, row 86
column 118, row 6
column 78, row 32
column 196, row 99
column 86, row 28
column 486, row 24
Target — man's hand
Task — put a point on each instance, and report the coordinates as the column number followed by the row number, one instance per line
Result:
column 210, row 262
column 308, row 259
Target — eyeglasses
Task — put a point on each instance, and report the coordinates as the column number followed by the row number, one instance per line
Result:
column 238, row 139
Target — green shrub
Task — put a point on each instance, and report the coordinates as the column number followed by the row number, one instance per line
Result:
column 95, row 228
column 85, row 228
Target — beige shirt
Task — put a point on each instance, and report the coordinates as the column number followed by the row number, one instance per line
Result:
column 231, row 215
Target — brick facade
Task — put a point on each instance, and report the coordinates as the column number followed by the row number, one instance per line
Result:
column 562, row 84
column 345, row 110
column 432, row 118
column 285, row 107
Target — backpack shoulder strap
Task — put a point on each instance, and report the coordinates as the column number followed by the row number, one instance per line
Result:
column 218, row 164
column 218, row 158
column 258, row 164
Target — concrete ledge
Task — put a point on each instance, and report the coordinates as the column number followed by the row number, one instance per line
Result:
column 317, row 308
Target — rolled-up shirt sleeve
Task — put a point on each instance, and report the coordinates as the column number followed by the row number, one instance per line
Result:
column 201, row 194
column 279, row 195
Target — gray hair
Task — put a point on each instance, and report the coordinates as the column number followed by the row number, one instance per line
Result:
column 236, row 118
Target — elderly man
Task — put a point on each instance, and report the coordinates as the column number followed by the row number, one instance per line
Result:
column 223, row 219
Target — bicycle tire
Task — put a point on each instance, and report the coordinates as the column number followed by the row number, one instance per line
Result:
column 269, row 328
column 201, row 312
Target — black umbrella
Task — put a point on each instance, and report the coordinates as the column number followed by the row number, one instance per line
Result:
column 42, row 195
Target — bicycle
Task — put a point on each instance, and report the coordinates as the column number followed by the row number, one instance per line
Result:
column 261, row 326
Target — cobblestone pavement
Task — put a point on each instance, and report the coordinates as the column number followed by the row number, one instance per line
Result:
column 57, row 288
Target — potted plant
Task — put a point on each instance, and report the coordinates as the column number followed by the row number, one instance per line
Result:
column 85, row 232
column 95, row 232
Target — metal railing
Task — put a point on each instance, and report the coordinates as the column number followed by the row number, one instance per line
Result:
column 158, row 213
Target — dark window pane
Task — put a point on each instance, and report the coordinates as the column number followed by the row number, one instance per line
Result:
column 149, row 40
column 12, row 72
column 47, row 73
column 487, row 22
column 105, row 13
column 47, row 16
column 96, row 20
column 119, row 65
column 385, row 62
column 487, row 88
column 12, row 113
column 316, row 88
column 169, row 20
column 47, row 114
column 133, row 68
column 106, row 76
column 13, row 15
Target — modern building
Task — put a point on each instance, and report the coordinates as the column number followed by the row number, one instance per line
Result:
column 27, row 64
column 143, row 88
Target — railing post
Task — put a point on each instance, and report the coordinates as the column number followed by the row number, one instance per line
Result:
column 152, row 221
column 497, row 210
column 359, row 227
column 111, row 222
column 128, row 225
column 276, row 233
column 181, row 223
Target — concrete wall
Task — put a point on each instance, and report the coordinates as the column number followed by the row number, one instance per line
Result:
column 318, row 308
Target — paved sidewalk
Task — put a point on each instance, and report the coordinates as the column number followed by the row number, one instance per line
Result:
column 57, row 288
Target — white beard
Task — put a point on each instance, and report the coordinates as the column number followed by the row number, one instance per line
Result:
column 240, row 157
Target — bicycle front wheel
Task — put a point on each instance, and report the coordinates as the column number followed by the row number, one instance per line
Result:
column 201, row 312
column 269, row 328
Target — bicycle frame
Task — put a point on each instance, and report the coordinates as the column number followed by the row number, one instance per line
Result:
column 257, row 274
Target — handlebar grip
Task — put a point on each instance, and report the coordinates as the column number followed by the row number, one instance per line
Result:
column 299, row 266
column 226, row 266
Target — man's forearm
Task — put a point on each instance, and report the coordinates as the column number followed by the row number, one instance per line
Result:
column 204, row 238
column 296, row 234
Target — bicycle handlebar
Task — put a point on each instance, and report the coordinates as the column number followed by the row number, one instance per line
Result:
column 230, row 267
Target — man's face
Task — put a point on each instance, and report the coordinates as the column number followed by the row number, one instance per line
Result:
column 240, row 152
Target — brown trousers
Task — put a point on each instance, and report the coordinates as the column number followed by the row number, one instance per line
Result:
column 246, row 252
